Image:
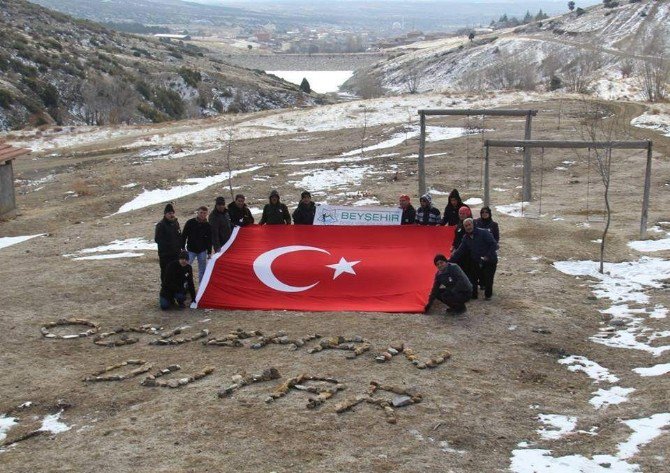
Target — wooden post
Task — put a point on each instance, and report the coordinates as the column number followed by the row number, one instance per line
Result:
column 422, row 154
column 487, row 191
column 645, row 198
column 527, row 169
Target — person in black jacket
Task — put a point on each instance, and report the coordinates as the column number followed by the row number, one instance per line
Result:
column 275, row 213
column 450, row 286
column 197, row 240
column 486, row 222
column 220, row 222
column 408, row 212
column 305, row 211
column 479, row 247
column 178, row 278
column 168, row 238
column 450, row 216
column 240, row 215
column 426, row 214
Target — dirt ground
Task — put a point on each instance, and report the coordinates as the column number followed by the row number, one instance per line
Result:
column 476, row 407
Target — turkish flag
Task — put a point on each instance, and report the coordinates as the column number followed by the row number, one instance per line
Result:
column 325, row 268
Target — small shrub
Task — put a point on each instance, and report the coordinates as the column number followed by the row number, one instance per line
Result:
column 6, row 98
column 191, row 77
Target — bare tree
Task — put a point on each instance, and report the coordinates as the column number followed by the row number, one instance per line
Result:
column 229, row 147
column 579, row 72
column 107, row 100
column 413, row 74
column 654, row 69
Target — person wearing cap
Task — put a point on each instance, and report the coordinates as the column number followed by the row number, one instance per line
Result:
column 408, row 212
column 197, row 240
column 426, row 214
column 479, row 247
column 167, row 236
column 240, row 215
column 305, row 211
column 220, row 222
column 451, row 286
column 275, row 212
column 178, row 279
column 463, row 213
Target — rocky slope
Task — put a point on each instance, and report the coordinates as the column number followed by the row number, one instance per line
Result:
column 55, row 69
column 596, row 50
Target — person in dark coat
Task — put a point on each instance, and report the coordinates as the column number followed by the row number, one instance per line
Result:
column 168, row 238
column 197, row 240
column 463, row 213
column 220, row 222
column 178, row 279
column 480, row 248
column 275, row 213
column 451, row 286
column 240, row 215
column 408, row 212
column 306, row 210
column 485, row 222
column 426, row 214
column 450, row 216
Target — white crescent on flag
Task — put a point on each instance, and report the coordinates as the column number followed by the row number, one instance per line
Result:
column 263, row 267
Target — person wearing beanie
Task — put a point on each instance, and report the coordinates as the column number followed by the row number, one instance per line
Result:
column 178, row 278
column 197, row 240
column 305, row 211
column 450, row 216
column 167, row 236
column 451, row 286
column 463, row 213
column 485, row 222
column 219, row 219
column 426, row 214
column 275, row 213
column 240, row 215
column 408, row 212
column 480, row 250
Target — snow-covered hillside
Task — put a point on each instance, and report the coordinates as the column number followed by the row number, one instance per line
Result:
column 599, row 50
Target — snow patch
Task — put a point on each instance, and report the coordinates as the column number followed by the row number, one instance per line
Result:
column 9, row 241
column 614, row 395
column 52, row 424
column 321, row 82
column 6, row 423
column 656, row 370
column 592, row 369
column 556, row 426
column 513, row 210
column 109, row 256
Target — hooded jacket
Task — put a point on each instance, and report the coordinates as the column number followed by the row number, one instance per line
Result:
column 275, row 214
column 475, row 246
column 240, row 217
column 489, row 225
column 304, row 214
column 450, row 216
column 429, row 215
column 221, row 228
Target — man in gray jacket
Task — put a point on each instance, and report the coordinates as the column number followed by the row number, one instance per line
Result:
column 450, row 286
column 221, row 225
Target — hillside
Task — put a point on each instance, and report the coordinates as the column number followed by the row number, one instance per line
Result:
column 600, row 50
column 55, row 69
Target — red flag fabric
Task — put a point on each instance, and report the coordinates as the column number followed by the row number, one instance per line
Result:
column 325, row 268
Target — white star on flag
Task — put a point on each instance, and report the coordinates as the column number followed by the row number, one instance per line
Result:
column 343, row 266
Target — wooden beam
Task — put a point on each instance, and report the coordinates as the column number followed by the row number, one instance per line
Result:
column 489, row 112
column 568, row 144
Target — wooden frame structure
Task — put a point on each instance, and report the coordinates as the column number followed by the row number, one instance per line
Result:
column 528, row 144
column 529, row 114
column 7, row 198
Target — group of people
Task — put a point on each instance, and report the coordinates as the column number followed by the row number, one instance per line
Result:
column 472, row 264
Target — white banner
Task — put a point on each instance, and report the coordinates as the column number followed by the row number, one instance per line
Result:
column 341, row 215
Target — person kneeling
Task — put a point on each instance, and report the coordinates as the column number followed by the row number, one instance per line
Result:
column 451, row 286
column 178, row 278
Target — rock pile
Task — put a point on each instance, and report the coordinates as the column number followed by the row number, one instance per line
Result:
column 46, row 333
column 102, row 376
column 297, row 383
column 155, row 381
column 398, row 347
column 404, row 397
column 244, row 379
column 355, row 345
column 233, row 339
column 169, row 338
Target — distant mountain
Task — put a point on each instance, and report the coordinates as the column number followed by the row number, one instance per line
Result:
column 613, row 51
column 56, row 69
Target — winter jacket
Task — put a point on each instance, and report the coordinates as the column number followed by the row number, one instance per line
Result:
column 304, row 214
column 476, row 245
column 197, row 236
column 450, row 216
column 178, row 278
column 490, row 226
column 452, row 279
column 221, row 228
column 240, row 217
column 275, row 214
column 168, row 238
column 458, row 235
column 408, row 216
column 428, row 216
